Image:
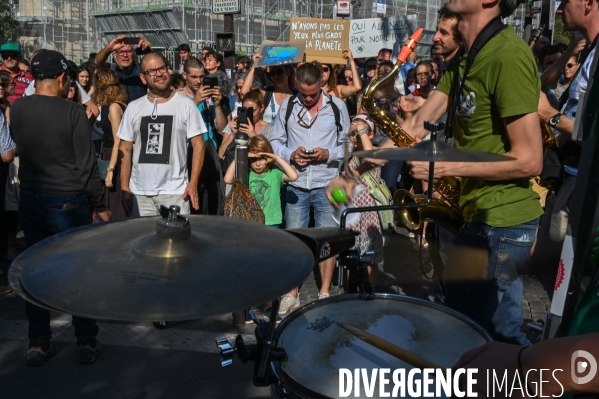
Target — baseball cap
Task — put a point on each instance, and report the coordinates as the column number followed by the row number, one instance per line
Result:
column 48, row 64
column 14, row 47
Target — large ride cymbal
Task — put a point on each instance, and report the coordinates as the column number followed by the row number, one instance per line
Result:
column 124, row 271
column 432, row 151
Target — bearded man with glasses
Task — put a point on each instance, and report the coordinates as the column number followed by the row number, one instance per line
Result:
column 11, row 55
column 309, row 137
column 125, row 66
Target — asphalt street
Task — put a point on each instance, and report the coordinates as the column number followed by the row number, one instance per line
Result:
column 142, row 362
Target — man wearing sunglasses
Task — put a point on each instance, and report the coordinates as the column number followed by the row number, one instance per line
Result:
column 11, row 55
column 307, row 134
column 124, row 64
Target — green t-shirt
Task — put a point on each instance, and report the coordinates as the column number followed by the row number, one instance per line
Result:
column 266, row 188
column 502, row 82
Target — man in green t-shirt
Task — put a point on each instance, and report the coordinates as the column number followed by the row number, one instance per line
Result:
column 496, row 112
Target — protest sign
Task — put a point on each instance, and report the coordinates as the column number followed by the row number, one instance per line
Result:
column 280, row 53
column 368, row 36
column 325, row 38
column 226, row 6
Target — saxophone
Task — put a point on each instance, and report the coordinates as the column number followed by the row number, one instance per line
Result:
column 550, row 139
column 444, row 210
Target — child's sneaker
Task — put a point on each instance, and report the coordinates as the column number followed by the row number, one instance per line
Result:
column 88, row 349
column 288, row 303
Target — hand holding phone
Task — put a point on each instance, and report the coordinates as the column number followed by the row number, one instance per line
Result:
column 131, row 40
column 309, row 152
column 210, row 81
column 244, row 114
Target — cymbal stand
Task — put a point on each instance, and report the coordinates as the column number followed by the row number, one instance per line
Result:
column 262, row 353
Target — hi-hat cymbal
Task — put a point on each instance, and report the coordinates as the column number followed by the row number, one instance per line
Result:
column 124, row 271
column 432, row 151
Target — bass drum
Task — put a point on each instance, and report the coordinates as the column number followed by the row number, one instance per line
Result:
column 317, row 348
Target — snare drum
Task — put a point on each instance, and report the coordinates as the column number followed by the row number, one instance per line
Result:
column 317, row 348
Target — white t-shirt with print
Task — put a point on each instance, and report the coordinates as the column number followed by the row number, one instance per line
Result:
column 160, row 143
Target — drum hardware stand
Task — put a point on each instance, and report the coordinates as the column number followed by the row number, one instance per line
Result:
column 357, row 265
column 262, row 353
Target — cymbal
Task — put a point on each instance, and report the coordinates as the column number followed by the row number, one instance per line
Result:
column 124, row 270
column 432, row 151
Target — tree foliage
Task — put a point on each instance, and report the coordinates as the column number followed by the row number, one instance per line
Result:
column 560, row 35
column 8, row 22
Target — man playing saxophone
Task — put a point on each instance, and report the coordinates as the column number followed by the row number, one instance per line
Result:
column 495, row 110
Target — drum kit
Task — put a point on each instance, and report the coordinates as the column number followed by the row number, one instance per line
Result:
column 175, row 267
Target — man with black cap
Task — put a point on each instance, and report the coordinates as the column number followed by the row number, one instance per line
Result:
column 60, row 184
column 11, row 55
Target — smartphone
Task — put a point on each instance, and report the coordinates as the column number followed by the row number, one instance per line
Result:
column 210, row 81
column 131, row 40
column 309, row 152
column 244, row 114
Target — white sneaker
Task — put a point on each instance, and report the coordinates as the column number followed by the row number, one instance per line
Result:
column 323, row 295
column 288, row 303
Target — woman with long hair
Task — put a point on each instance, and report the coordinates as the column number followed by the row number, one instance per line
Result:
column 554, row 91
column 329, row 78
column 85, row 77
column 282, row 77
column 112, row 100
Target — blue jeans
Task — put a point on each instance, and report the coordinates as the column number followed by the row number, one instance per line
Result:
column 482, row 276
column 42, row 216
column 299, row 201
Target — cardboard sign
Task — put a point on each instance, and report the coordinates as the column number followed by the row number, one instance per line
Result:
column 325, row 38
column 368, row 36
column 280, row 53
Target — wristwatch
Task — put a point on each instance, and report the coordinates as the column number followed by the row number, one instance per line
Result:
column 554, row 120
column 109, row 169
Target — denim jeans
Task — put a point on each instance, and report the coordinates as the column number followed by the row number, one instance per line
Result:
column 482, row 276
column 297, row 210
column 42, row 216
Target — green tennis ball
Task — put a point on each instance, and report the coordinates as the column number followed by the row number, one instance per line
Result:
column 339, row 195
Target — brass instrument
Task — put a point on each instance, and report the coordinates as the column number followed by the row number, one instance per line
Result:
column 439, row 210
column 550, row 139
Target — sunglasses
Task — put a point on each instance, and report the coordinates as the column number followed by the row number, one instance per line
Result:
column 352, row 133
column 325, row 69
column 349, row 77
column 277, row 72
column 6, row 56
column 570, row 66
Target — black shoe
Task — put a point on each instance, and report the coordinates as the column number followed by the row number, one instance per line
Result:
column 88, row 349
column 40, row 350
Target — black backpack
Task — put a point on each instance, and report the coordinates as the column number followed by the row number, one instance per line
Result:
column 334, row 107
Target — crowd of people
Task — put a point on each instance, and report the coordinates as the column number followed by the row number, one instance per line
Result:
column 137, row 133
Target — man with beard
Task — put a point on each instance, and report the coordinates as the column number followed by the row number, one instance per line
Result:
column 447, row 39
column 125, row 66
column 11, row 56
column 60, row 188
column 154, row 132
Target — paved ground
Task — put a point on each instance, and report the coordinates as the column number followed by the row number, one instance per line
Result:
column 140, row 361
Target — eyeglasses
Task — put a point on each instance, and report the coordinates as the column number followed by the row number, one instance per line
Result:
column 348, row 77
column 300, row 119
column 325, row 69
column 570, row 66
column 152, row 72
column 124, row 52
column 6, row 56
column 277, row 72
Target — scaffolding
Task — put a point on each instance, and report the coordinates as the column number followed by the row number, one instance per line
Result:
column 79, row 27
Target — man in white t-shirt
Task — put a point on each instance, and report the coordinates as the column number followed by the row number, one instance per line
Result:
column 154, row 134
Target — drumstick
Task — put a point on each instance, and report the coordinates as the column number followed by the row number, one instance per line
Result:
column 392, row 349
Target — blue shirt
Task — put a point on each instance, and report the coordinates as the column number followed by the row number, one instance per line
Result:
column 322, row 134
column 405, row 68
